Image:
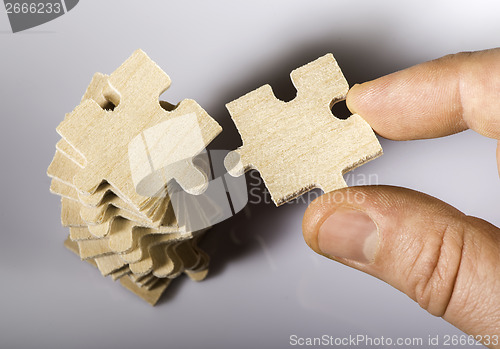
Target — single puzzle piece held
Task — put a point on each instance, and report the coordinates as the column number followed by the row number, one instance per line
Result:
column 300, row 145
column 134, row 88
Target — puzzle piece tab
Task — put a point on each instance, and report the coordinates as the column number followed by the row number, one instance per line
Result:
column 300, row 145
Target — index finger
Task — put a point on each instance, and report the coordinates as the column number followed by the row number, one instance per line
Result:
column 435, row 98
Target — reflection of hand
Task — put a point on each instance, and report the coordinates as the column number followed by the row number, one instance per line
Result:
column 446, row 261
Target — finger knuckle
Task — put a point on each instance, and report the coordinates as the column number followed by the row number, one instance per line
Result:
column 434, row 271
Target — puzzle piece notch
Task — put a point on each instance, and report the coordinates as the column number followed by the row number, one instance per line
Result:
column 321, row 147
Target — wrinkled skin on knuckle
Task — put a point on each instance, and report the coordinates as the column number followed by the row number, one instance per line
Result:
column 475, row 303
column 434, row 269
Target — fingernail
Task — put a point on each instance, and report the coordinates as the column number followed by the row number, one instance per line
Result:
column 349, row 233
column 363, row 98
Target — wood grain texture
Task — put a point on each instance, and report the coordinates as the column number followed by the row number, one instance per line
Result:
column 300, row 145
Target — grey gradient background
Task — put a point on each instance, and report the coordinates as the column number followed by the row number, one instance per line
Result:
column 265, row 284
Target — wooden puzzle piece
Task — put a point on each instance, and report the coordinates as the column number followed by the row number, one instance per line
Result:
column 122, row 235
column 164, row 263
column 299, row 145
column 68, row 151
column 179, row 257
column 70, row 214
column 62, row 170
column 143, row 280
column 198, row 275
column 132, row 247
column 142, row 263
column 80, row 233
column 107, row 228
column 96, row 91
column 134, row 88
column 59, row 188
column 124, row 238
column 64, row 167
column 128, row 242
column 150, row 295
column 93, row 248
column 109, row 264
column 149, row 282
column 117, row 274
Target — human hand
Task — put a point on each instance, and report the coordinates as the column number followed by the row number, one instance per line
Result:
column 446, row 261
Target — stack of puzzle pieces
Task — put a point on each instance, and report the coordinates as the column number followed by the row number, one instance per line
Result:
column 103, row 157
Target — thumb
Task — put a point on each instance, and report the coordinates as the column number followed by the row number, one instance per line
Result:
column 446, row 261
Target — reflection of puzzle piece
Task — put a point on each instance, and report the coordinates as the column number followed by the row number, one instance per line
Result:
column 299, row 145
column 134, row 87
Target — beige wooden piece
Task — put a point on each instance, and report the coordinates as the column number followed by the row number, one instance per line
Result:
column 150, row 295
column 64, row 167
column 68, row 151
column 70, row 214
column 59, row 188
column 93, row 248
column 151, row 251
column 62, row 171
column 300, row 145
column 96, row 92
column 197, row 275
column 117, row 274
column 134, row 87
column 109, row 264
column 80, row 233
